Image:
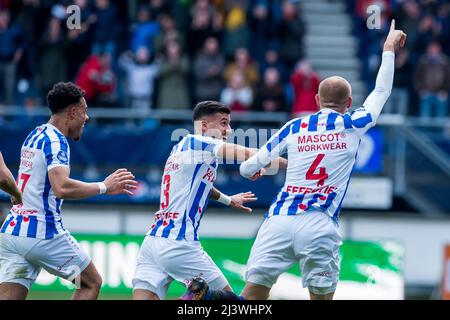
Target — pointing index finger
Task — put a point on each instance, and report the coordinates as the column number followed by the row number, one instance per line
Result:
column 393, row 25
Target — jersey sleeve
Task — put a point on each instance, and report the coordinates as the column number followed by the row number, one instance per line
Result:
column 214, row 146
column 274, row 148
column 366, row 117
column 361, row 120
column 56, row 154
column 206, row 145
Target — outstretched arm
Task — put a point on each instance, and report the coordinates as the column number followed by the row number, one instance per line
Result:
column 253, row 168
column 383, row 86
column 8, row 184
column 268, row 154
column 230, row 151
column 240, row 153
column 120, row 182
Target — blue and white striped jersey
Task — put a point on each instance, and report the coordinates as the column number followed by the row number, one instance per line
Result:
column 321, row 150
column 188, row 178
column 39, row 214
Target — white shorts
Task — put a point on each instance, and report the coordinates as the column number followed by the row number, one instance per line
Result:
column 163, row 260
column 21, row 258
column 312, row 239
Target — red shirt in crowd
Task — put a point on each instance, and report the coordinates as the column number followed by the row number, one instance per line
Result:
column 305, row 89
column 95, row 78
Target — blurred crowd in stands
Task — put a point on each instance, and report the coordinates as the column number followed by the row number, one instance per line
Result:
column 422, row 75
column 170, row 54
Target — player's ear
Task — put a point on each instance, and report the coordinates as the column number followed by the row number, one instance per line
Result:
column 348, row 104
column 204, row 126
column 73, row 111
column 317, row 97
column 200, row 126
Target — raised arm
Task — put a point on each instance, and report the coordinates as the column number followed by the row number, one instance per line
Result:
column 8, row 184
column 383, row 86
column 119, row 182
